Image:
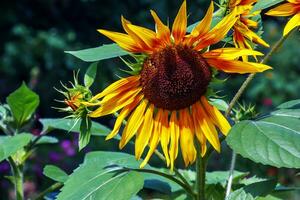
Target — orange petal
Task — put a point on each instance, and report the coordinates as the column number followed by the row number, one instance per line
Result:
column 217, row 117
column 198, row 131
column 188, row 149
column 120, row 119
column 230, row 53
column 174, row 137
column 203, row 27
column 144, row 134
column 236, row 66
column 285, row 9
column 163, row 31
column 154, row 140
column 180, row 24
column 123, row 40
column 133, row 124
column 218, row 32
column 146, row 35
column 292, row 23
column 165, row 135
column 207, row 127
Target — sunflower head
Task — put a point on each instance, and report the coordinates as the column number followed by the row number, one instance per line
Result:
column 165, row 101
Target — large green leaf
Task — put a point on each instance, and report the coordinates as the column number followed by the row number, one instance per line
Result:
column 47, row 140
column 288, row 109
column 23, row 103
column 254, row 190
column 263, row 4
column 71, row 125
column 55, row 173
column 99, row 53
column 272, row 141
column 101, row 177
column 9, row 145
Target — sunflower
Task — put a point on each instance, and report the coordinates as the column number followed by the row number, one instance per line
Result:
column 292, row 7
column 166, row 103
column 242, row 33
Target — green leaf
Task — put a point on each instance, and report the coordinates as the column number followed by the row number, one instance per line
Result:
column 90, row 74
column 55, row 173
column 23, row 103
column 215, row 192
column 294, row 104
column 101, row 177
column 221, row 177
column 71, row 125
column 219, row 103
column 85, row 132
column 46, row 140
column 250, row 192
column 9, row 145
column 271, row 141
column 260, row 5
column 99, row 53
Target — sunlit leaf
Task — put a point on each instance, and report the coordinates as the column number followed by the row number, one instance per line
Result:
column 260, row 5
column 9, row 145
column 100, row 177
column 274, row 141
column 23, row 103
column 99, row 53
column 55, row 173
column 70, row 125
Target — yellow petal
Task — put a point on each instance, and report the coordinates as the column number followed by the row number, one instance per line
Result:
column 188, row 149
column 218, row 32
column 292, row 23
column 120, row 85
column 163, row 31
column 198, row 131
column 145, row 132
column 246, row 32
column 146, row 35
column 124, row 113
column 165, row 135
column 123, row 40
column 285, row 9
column 207, row 127
column 132, row 34
column 218, row 119
column 230, row 53
column 236, row 66
column 174, row 137
column 154, row 140
column 133, row 124
column 116, row 104
column 203, row 27
column 180, row 24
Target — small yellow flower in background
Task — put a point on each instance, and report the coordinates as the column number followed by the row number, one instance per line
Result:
column 242, row 33
column 166, row 101
column 292, row 7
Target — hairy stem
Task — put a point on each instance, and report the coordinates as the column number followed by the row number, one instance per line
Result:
column 229, row 182
column 18, row 178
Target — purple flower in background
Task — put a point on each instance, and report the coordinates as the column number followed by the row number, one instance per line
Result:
column 36, row 132
column 68, row 147
column 55, row 157
column 267, row 102
column 4, row 167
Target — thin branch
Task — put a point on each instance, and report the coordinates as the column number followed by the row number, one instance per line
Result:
column 52, row 188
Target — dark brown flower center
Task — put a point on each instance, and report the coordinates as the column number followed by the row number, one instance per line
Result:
column 175, row 77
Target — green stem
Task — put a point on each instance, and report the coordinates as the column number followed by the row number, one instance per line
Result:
column 18, row 178
column 52, row 188
column 200, row 178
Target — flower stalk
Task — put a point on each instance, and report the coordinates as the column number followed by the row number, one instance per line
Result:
column 18, row 178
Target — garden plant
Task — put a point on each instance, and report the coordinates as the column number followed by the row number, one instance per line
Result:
column 167, row 104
